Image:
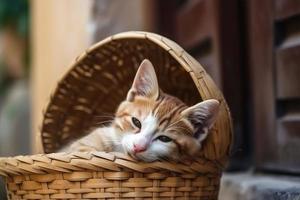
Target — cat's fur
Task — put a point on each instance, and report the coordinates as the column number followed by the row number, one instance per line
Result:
column 168, row 128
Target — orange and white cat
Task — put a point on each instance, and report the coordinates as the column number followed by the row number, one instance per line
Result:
column 151, row 125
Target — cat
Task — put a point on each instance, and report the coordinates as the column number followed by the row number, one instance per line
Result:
column 151, row 125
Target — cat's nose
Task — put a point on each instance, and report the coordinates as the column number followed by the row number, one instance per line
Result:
column 139, row 148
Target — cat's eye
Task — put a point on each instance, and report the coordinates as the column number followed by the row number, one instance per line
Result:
column 136, row 122
column 164, row 138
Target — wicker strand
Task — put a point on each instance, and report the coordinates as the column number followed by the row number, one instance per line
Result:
column 95, row 161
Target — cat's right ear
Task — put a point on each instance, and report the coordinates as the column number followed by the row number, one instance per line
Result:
column 202, row 116
column 145, row 82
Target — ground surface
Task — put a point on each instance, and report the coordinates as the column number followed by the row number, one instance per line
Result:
column 247, row 186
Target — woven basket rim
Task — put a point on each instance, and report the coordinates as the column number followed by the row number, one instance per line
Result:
column 94, row 161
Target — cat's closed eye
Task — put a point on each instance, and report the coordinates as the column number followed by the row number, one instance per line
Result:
column 164, row 138
column 136, row 122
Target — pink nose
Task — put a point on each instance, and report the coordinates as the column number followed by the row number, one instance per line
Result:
column 138, row 148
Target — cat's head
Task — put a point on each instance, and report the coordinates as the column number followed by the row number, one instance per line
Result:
column 159, row 126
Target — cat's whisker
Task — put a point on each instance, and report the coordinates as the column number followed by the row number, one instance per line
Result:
column 104, row 122
column 108, row 120
column 109, row 140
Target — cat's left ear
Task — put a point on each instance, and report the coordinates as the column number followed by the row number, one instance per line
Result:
column 145, row 82
column 202, row 116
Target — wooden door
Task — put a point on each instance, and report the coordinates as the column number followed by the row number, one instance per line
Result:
column 274, row 52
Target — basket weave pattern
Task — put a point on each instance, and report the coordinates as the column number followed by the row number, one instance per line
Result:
column 96, row 83
column 106, row 176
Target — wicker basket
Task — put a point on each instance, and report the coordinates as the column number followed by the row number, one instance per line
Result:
column 96, row 83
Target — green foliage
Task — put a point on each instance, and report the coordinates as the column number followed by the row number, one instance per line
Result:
column 15, row 13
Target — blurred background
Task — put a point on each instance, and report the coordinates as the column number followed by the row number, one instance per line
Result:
column 251, row 48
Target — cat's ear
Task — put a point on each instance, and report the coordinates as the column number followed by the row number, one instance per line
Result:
column 202, row 116
column 145, row 82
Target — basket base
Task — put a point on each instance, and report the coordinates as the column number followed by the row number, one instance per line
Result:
column 111, row 185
